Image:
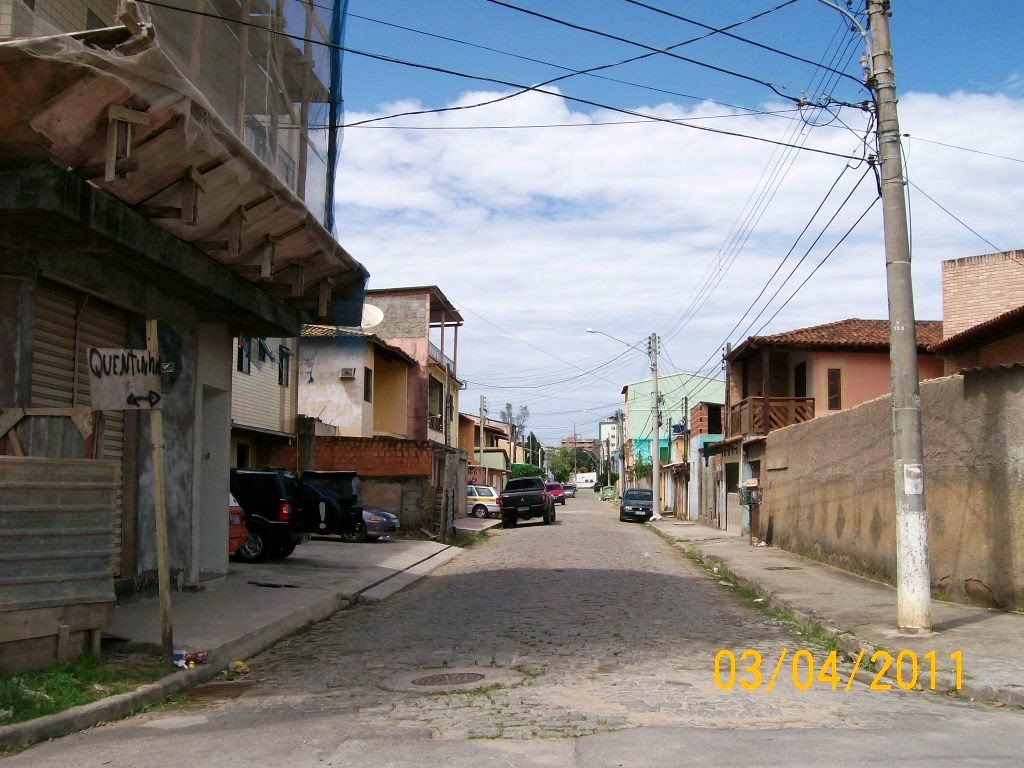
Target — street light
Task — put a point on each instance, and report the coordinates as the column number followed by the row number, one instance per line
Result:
column 652, row 351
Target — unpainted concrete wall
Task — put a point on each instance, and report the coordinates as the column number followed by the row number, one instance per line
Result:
column 830, row 488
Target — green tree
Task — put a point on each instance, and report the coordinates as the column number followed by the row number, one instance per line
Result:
column 526, row 470
column 560, row 464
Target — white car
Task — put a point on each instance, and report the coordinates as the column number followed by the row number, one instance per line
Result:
column 482, row 501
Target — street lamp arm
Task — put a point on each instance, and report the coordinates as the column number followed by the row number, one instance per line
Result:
column 614, row 338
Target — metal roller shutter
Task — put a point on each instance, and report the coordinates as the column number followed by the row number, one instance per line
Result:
column 68, row 323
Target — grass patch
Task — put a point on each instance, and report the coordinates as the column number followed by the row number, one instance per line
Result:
column 32, row 694
column 813, row 633
column 467, row 539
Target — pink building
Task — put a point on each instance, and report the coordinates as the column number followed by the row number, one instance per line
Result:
column 794, row 376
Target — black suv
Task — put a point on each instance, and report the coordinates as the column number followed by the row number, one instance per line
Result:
column 268, row 498
column 282, row 509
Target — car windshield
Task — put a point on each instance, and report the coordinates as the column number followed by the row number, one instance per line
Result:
column 524, row 484
column 639, row 494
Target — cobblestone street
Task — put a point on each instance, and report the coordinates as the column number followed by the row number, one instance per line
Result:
column 609, row 625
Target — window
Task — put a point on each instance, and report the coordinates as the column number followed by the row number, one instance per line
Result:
column 835, row 389
column 264, row 350
column 242, row 360
column 368, row 385
column 283, row 365
column 800, row 380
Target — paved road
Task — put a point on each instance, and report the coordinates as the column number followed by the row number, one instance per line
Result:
column 596, row 639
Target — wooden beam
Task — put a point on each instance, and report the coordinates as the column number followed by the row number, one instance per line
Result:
column 324, row 298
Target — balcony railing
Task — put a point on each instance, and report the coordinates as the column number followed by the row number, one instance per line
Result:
column 442, row 359
column 748, row 417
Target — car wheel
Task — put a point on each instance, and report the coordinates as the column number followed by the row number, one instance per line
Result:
column 479, row 511
column 256, row 547
column 281, row 551
column 508, row 522
column 354, row 537
column 549, row 515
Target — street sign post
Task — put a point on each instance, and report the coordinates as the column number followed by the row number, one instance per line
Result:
column 129, row 380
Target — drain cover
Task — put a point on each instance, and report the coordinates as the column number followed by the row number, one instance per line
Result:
column 783, row 568
column 449, row 678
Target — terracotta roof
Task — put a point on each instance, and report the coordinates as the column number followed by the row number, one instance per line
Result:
column 853, row 333
column 982, row 333
column 318, row 331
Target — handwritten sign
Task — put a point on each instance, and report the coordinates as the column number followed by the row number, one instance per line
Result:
column 124, row 379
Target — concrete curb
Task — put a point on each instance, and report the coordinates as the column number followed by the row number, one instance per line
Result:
column 122, row 705
column 21, row 735
column 848, row 642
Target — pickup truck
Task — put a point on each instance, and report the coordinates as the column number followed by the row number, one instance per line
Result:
column 524, row 498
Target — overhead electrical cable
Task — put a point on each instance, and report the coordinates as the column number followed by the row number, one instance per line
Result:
column 482, row 78
column 746, row 40
column 591, row 72
column 663, row 51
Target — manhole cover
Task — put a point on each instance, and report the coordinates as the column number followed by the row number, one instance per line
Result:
column 449, row 678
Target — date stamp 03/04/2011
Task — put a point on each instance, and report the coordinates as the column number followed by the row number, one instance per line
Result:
column 906, row 670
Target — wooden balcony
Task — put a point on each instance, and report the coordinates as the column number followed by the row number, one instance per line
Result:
column 760, row 415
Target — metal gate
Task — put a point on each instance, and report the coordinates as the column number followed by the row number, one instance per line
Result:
column 67, row 323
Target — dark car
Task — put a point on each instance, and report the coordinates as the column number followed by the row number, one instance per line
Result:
column 636, row 504
column 332, row 504
column 557, row 493
column 268, row 499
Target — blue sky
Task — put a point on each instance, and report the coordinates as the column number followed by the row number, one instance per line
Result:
column 539, row 232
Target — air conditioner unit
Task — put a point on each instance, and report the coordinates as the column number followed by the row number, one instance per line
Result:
column 347, row 373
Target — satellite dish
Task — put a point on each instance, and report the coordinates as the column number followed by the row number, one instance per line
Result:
column 372, row 316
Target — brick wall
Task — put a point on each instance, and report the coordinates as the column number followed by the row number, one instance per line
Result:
column 977, row 288
column 374, row 457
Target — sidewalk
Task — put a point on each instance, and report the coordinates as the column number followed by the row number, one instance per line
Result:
column 246, row 612
column 861, row 613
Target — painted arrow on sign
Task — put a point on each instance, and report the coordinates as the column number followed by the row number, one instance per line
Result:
column 152, row 398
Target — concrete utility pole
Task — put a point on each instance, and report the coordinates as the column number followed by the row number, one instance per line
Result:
column 913, row 600
column 620, row 420
column 483, row 411
column 656, row 428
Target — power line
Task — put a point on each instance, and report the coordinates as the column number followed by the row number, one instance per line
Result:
column 664, row 51
column 587, row 72
column 480, row 78
column 742, row 39
column 964, row 149
column 955, row 218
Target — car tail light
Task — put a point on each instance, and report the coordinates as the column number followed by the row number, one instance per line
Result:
column 543, row 495
column 284, row 511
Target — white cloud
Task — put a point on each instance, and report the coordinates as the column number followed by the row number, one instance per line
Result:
column 547, row 231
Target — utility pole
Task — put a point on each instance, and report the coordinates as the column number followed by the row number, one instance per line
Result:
column 483, row 411
column 620, row 418
column 575, row 470
column 656, row 428
column 913, row 587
